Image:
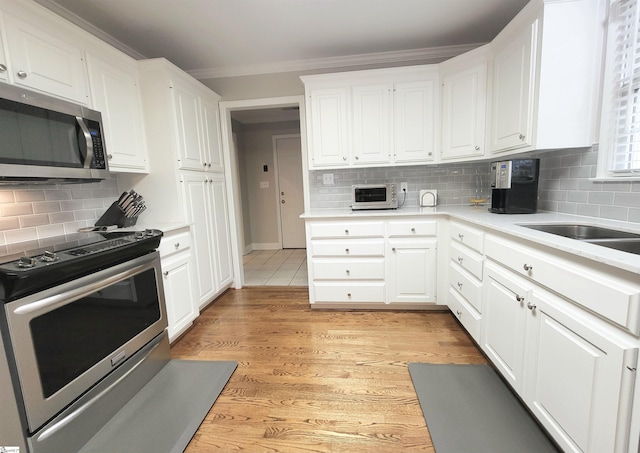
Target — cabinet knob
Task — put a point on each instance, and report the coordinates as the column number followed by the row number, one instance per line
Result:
column 204, row 164
column 461, row 236
column 283, row 202
column 346, row 231
column 22, row 74
column 460, row 259
column 430, row 154
column 3, row 67
column 413, row 230
column 346, row 250
column 357, row 157
column 527, row 268
column 165, row 273
column 521, row 136
column 531, row 306
column 208, row 165
column 344, row 158
column 520, row 299
column 460, row 286
column 177, row 245
column 348, row 294
column 459, row 313
column 477, row 148
column 393, row 249
column 109, row 156
column 348, row 272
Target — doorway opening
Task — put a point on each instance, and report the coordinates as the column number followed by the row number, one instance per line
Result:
column 267, row 150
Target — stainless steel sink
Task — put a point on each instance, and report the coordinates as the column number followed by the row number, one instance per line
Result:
column 582, row 232
column 605, row 237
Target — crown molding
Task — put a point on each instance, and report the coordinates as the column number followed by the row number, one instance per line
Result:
column 425, row 55
column 63, row 12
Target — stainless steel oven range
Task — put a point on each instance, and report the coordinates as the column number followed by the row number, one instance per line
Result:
column 83, row 326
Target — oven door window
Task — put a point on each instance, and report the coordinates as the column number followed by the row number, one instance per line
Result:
column 71, row 339
column 371, row 195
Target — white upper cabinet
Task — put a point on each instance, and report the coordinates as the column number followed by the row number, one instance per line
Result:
column 211, row 143
column 44, row 60
column 464, row 105
column 415, row 117
column 328, row 124
column 113, row 79
column 546, row 77
column 373, row 118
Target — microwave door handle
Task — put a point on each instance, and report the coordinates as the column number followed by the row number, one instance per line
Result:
column 89, row 142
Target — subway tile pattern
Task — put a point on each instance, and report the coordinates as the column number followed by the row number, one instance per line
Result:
column 566, row 184
column 32, row 212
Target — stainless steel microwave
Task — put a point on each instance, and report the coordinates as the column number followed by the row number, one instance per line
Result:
column 374, row 196
column 48, row 140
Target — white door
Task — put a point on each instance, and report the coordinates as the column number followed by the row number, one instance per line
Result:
column 289, row 158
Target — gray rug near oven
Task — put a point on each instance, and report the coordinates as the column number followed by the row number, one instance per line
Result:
column 469, row 409
column 166, row 413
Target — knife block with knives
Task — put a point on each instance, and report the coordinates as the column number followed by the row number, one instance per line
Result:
column 124, row 212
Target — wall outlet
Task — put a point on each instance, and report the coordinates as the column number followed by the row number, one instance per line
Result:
column 264, row 184
column 327, row 179
column 404, row 187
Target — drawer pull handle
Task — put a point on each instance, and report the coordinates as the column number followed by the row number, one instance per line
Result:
column 461, row 236
column 165, row 273
column 348, row 272
column 460, row 259
column 348, row 294
column 531, row 306
column 460, row 286
column 413, row 230
column 527, row 268
column 520, row 299
column 393, row 249
column 346, row 250
column 177, row 245
column 459, row 313
column 346, row 231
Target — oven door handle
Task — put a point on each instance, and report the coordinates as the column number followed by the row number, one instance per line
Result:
column 75, row 294
column 50, row 431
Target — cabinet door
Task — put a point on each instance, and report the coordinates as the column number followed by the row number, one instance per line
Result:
column 44, row 62
column 179, row 297
column 198, row 209
column 414, row 120
column 188, row 133
column 412, row 271
column 371, row 124
column 218, row 202
column 212, row 148
column 513, row 92
column 4, row 64
column 329, row 126
column 463, row 113
column 114, row 90
column 579, row 380
column 504, row 314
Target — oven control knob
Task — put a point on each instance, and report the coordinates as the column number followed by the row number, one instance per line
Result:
column 139, row 235
column 148, row 232
column 26, row 262
column 49, row 257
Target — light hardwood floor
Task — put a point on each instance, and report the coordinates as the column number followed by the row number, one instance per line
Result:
column 317, row 381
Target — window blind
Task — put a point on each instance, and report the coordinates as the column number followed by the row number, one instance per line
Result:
column 624, row 26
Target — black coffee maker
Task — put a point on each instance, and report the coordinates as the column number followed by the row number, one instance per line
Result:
column 515, row 186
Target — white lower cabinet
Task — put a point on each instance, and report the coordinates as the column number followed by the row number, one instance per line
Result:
column 411, row 273
column 178, row 281
column 574, row 371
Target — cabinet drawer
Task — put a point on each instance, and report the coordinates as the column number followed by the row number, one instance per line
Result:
column 347, row 230
column 611, row 295
column 347, row 248
column 466, row 285
column 468, row 317
column 412, row 228
column 174, row 243
column 467, row 259
column 348, row 269
column 349, row 292
column 468, row 236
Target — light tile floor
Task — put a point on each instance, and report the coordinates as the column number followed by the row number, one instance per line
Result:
column 276, row 268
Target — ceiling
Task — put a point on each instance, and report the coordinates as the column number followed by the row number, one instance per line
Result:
column 227, row 38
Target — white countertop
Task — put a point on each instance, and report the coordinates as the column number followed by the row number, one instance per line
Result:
column 509, row 224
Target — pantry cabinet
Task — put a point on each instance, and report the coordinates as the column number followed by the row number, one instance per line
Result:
column 45, row 59
column 113, row 79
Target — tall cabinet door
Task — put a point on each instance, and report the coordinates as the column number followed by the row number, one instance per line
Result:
column 196, row 196
column 222, row 244
column 415, row 119
column 188, row 128
column 212, row 148
column 579, row 381
column 329, row 126
column 371, row 124
column 513, row 81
